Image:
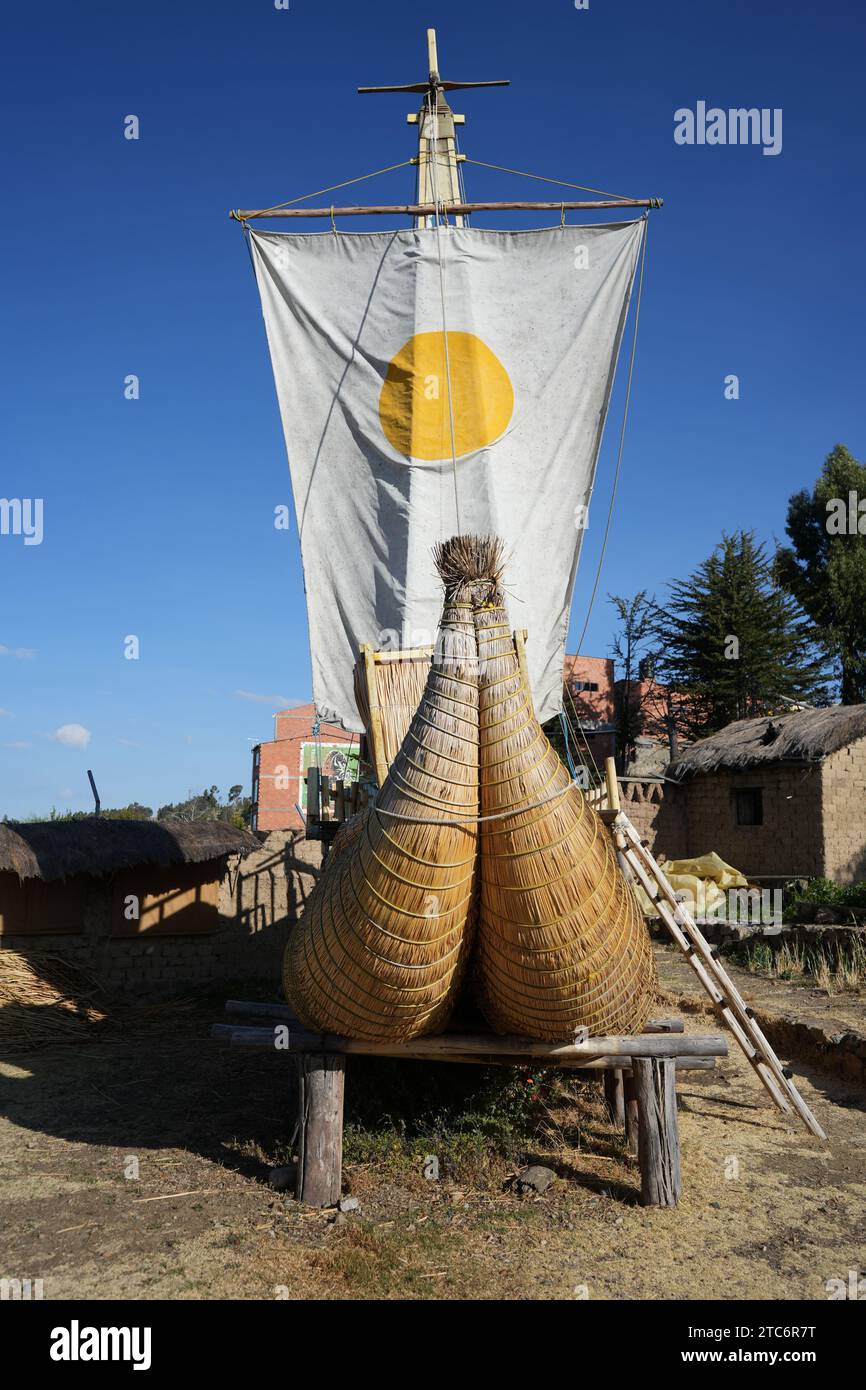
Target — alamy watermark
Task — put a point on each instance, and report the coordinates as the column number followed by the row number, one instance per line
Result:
column 846, row 516
column 22, row 516
column 712, row 125
column 747, row 906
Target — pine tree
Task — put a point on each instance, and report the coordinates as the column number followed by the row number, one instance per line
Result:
column 825, row 568
column 733, row 642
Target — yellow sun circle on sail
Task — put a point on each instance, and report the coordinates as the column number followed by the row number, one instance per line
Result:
column 413, row 405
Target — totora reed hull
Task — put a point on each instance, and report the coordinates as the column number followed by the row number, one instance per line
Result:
column 561, row 940
column 383, row 943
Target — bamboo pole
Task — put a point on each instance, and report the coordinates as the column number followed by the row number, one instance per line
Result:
column 454, row 209
column 612, row 785
column 376, row 734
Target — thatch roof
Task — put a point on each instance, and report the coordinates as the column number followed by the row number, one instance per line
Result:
column 803, row 736
column 57, row 849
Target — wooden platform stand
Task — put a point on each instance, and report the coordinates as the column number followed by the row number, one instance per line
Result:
column 641, row 1070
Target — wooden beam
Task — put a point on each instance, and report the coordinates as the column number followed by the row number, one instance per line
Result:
column 320, row 1128
column 451, row 1046
column 632, row 1126
column 377, row 736
column 659, row 1142
column 612, row 785
column 613, row 1094
column 254, row 1008
column 455, row 209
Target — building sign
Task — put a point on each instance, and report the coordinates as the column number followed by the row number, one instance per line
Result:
column 338, row 761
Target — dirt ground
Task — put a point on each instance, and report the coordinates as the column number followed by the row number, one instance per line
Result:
column 140, row 1171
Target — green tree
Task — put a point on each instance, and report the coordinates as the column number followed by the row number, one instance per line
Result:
column 632, row 642
column 733, row 642
column 824, row 568
column 643, row 704
column 208, row 805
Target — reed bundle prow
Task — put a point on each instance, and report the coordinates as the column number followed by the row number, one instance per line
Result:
column 561, row 941
column 382, row 946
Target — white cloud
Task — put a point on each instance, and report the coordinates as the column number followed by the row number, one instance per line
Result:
column 18, row 743
column 282, row 701
column 5, row 714
column 129, row 743
column 19, row 653
column 72, row 735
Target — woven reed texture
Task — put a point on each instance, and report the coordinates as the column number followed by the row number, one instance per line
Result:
column 383, row 943
column 400, row 685
column 561, row 941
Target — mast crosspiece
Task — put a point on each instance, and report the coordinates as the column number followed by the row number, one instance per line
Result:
column 438, row 192
column 438, row 181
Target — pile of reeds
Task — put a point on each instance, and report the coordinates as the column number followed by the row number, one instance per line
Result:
column 384, row 940
column 46, row 1000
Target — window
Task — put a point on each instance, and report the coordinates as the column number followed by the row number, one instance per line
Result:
column 585, row 685
column 749, row 804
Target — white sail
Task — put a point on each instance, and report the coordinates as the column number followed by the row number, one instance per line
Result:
column 355, row 329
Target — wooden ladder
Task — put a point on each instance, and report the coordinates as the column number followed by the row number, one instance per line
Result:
column 637, row 863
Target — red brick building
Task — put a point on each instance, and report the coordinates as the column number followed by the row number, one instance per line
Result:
column 590, row 681
column 280, row 766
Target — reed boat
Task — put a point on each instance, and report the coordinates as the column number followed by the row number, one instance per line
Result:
column 443, row 388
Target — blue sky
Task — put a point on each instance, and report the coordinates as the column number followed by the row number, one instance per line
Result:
column 119, row 258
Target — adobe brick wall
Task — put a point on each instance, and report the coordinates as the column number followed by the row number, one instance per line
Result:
column 260, row 896
column 657, row 812
column 844, row 813
column 814, row 818
column 791, row 839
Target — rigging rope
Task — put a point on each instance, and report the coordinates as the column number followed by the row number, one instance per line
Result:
column 275, row 207
column 563, row 183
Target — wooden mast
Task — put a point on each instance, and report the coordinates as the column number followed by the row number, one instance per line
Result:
column 436, row 142
column 438, row 183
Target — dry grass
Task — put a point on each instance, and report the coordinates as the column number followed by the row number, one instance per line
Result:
column 837, row 968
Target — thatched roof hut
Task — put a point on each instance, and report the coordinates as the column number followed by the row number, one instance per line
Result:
column 51, row 850
column 801, row 737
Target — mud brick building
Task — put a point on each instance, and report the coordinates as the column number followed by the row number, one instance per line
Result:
column 152, row 908
column 775, row 796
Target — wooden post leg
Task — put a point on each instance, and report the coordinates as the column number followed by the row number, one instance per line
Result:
column 613, row 1094
column 320, row 1128
column 632, row 1125
column 659, row 1142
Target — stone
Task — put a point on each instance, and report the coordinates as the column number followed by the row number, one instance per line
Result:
column 281, row 1179
column 349, row 1204
column 535, row 1178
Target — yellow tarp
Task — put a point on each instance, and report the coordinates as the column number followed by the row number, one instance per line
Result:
column 705, row 879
